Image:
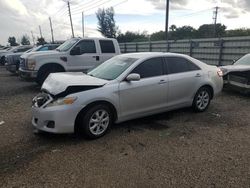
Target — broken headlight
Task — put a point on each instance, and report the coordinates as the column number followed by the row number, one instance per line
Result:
column 62, row 101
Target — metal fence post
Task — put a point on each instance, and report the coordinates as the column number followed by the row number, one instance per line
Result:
column 191, row 48
column 125, row 47
column 150, row 46
column 168, row 46
column 221, row 52
column 136, row 47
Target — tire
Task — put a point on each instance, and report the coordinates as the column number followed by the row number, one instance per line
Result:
column 96, row 121
column 44, row 72
column 202, row 99
column 2, row 60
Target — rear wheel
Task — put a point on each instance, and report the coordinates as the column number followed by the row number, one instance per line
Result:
column 96, row 121
column 202, row 99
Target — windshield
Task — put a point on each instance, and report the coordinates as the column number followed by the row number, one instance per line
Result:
column 112, row 68
column 245, row 60
column 67, row 45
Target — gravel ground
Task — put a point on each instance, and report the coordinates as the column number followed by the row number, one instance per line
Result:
column 174, row 149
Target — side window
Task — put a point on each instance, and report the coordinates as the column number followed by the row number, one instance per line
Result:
column 107, row 46
column 87, row 46
column 45, row 48
column 177, row 65
column 22, row 49
column 192, row 66
column 150, row 68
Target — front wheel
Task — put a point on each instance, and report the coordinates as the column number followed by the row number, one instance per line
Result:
column 44, row 72
column 96, row 121
column 202, row 99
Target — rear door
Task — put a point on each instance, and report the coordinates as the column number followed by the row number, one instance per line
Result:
column 107, row 49
column 87, row 59
column 184, row 79
column 149, row 94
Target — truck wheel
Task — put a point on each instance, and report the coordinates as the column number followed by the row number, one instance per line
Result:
column 44, row 72
column 96, row 121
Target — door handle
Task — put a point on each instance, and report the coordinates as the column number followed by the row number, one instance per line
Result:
column 97, row 57
column 162, row 82
column 198, row 75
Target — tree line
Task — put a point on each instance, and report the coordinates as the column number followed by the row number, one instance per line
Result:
column 107, row 26
column 25, row 41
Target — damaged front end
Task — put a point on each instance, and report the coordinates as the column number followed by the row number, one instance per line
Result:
column 239, row 80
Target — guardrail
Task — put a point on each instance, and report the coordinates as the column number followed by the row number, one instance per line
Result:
column 215, row 51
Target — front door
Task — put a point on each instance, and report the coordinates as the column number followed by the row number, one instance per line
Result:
column 149, row 94
column 87, row 59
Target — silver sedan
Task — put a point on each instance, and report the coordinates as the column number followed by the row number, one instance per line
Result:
column 125, row 87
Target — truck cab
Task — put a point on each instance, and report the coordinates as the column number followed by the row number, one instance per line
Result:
column 74, row 55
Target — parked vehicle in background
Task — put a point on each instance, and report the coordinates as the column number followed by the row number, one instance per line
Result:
column 13, row 59
column 5, row 48
column 237, row 76
column 75, row 54
column 18, row 49
column 125, row 87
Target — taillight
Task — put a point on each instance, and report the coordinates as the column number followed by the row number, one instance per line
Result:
column 220, row 73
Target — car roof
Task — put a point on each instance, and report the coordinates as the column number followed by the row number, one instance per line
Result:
column 151, row 54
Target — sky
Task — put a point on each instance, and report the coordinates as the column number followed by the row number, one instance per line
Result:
column 20, row 17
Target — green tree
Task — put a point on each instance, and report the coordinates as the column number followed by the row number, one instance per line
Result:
column 207, row 31
column 160, row 35
column 238, row 32
column 25, row 40
column 41, row 41
column 184, row 32
column 132, row 37
column 106, row 22
column 12, row 41
column 172, row 28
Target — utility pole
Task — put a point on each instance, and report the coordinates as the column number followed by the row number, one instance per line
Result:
column 167, row 15
column 215, row 20
column 32, row 37
column 71, row 20
column 40, row 31
column 83, row 24
column 51, row 30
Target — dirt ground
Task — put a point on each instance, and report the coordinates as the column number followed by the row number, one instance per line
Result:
column 174, row 149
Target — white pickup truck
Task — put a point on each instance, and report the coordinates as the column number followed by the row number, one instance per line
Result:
column 75, row 54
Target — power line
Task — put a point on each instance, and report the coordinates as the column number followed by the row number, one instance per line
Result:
column 92, row 7
column 89, row 3
column 62, row 9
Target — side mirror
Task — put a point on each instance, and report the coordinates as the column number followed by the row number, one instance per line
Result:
column 133, row 77
column 75, row 51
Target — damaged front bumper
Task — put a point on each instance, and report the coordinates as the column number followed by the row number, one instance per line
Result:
column 239, row 83
column 54, row 119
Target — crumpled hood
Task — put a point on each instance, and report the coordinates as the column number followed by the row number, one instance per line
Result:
column 39, row 54
column 57, row 83
column 234, row 68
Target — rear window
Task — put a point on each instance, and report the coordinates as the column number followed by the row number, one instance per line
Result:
column 179, row 64
column 107, row 46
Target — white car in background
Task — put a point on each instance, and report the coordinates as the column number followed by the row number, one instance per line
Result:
column 125, row 87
